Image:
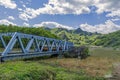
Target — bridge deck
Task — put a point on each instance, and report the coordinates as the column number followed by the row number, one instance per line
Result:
column 13, row 56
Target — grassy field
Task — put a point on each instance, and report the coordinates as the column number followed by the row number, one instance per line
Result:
column 100, row 63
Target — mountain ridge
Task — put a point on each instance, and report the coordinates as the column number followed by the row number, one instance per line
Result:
column 79, row 37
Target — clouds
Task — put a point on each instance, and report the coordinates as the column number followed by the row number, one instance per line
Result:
column 107, row 5
column 76, row 7
column 108, row 27
column 57, row 7
column 26, row 24
column 11, row 18
column 8, row 4
column 29, row 13
column 115, row 19
column 115, row 13
column 6, row 22
column 52, row 25
column 26, row 13
column 61, row 7
column 105, row 28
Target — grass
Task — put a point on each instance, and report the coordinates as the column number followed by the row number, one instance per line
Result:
column 94, row 67
column 100, row 62
column 32, row 70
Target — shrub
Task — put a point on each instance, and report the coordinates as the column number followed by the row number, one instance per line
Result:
column 74, row 52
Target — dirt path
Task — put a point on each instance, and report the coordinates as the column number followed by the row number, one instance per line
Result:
column 116, row 73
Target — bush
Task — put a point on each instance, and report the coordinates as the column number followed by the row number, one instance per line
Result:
column 84, row 52
column 74, row 52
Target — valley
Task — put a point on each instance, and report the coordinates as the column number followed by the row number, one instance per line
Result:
column 103, row 50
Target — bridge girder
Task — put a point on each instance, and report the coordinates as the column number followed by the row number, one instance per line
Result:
column 40, row 43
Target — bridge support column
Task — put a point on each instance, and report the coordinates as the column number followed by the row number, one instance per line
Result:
column 79, row 55
column 1, row 60
column 60, row 54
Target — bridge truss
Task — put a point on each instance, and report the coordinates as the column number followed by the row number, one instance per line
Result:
column 18, row 45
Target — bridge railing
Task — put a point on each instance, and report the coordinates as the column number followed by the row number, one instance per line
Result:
column 31, row 44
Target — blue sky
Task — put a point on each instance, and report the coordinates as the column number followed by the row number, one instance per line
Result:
column 89, row 15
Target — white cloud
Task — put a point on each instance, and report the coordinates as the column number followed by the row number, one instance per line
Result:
column 52, row 25
column 111, row 6
column 114, row 14
column 57, row 7
column 108, row 27
column 11, row 18
column 76, row 7
column 107, row 5
column 26, row 24
column 115, row 19
column 8, row 4
column 6, row 22
column 29, row 13
column 24, row 5
column 19, row 9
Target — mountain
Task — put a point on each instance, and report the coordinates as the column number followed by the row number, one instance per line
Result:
column 79, row 37
column 109, row 40
column 81, row 32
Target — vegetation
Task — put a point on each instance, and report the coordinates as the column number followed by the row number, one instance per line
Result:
column 32, row 30
column 99, row 64
column 96, row 67
column 79, row 37
column 36, row 70
column 109, row 40
column 27, row 30
column 77, row 52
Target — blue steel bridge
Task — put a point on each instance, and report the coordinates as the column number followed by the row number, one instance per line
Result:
column 19, row 45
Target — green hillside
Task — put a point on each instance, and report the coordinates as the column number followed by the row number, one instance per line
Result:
column 109, row 40
column 95, row 67
column 79, row 37
column 28, row 30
